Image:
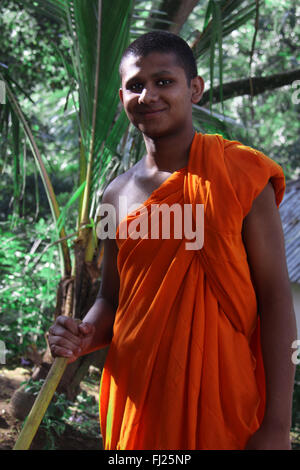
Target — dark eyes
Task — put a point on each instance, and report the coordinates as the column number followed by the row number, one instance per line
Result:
column 138, row 87
column 164, row 82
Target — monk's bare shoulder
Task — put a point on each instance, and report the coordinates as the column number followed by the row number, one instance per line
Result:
column 119, row 186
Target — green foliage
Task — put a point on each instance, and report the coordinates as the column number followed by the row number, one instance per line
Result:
column 30, row 59
column 55, row 130
column 85, row 414
column 269, row 121
column 81, row 415
column 28, row 282
column 54, row 421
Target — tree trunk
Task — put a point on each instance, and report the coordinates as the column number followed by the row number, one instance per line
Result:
column 243, row 87
column 176, row 11
column 181, row 15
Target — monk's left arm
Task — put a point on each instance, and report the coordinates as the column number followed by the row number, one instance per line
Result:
column 264, row 243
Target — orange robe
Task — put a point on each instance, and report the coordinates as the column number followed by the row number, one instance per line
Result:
column 184, row 369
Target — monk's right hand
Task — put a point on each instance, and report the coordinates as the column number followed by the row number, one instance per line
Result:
column 69, row 339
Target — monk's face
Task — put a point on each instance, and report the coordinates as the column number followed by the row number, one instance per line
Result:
column 156, row 94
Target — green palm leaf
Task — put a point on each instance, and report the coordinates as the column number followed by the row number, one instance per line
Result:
column 233, row 14
column 221, row 18
column 95, row 66
column 17, row 112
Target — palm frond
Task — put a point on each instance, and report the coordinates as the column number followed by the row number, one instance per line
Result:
column 221, row 18
column 53, row 9
column 233, row 14
column 65, row 256
column 17, row 164
column 95, row 65
column 210, row 121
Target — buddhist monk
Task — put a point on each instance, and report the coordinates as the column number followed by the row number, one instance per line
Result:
column 199, row 334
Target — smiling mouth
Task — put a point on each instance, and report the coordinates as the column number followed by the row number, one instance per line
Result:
column 152, row 113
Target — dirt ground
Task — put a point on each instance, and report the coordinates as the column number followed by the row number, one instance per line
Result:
column 71, row 439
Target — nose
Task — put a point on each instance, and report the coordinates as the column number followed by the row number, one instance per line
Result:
column 147, row 96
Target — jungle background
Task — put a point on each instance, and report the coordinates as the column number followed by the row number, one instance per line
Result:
column 63, row 137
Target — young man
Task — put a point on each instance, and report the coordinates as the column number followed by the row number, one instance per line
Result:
column 200, row 338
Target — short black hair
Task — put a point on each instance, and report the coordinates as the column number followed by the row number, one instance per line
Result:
column 165, row 43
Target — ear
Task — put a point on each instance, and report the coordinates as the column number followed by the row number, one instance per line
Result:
column 121, row 95
column 197, row 86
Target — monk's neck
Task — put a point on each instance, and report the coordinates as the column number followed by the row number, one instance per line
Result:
column 168, row 154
